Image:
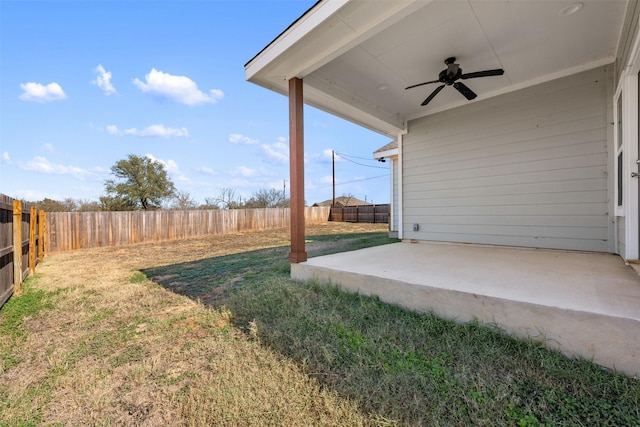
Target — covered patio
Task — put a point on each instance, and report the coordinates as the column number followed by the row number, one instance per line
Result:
column 541, row 152
column 587, row 305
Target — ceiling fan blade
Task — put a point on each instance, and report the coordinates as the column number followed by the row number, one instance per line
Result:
column 487, row 73
column 465, row 91
column 422, row 84
column 433, row 95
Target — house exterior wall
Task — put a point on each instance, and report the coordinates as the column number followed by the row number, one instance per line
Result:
column 528, row 168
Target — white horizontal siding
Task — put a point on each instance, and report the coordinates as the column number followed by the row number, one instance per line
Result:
column 524, row 169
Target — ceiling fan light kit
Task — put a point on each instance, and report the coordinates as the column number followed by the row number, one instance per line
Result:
column 450, row 76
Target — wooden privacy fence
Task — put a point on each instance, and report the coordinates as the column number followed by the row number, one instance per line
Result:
column 79, row 230
column 363, row 213
column 22, row 230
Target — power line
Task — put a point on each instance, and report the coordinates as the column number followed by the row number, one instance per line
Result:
column 356, row 157
column 361, row 164
column 363, row 179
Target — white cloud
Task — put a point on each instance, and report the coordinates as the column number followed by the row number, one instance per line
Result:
column 39, row 93
column 278, row 151
column 5, row 158
column 42, row 165
column 205, row 170
column 48, row 148
column 243, row 171
column 177, row 88
column 153, row 130
column 103, row 80
column 237, row 138
column 171, row 167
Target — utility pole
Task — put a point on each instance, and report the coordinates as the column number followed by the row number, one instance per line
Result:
column 333, row 175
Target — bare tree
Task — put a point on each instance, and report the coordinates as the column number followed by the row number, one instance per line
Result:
column 209, row 203
column 182, row 200
column 227, row 199
column 267, row 198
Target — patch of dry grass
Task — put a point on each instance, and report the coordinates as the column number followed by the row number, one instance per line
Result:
column 117, row 349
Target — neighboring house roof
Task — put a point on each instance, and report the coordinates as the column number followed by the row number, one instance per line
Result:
column 343, row 201
column 356, row 58
column 389, row 150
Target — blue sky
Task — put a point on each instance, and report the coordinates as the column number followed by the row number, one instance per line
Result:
column 85, row 83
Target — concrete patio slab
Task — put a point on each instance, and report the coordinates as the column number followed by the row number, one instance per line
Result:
column 585, row 304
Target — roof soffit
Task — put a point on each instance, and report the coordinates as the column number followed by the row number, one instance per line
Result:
column 356, row 57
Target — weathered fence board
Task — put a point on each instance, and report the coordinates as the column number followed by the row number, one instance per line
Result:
column 21, row 244
column 362, row 213
column 78, row 230
column 6, row 248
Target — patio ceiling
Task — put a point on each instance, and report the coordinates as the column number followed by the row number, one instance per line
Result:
column 356, row 57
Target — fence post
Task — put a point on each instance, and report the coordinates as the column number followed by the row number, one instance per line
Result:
column 41, row 232
column 17, row 247
column 33, row 221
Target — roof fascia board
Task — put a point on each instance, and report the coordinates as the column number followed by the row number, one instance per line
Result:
column 386, row 14
column 386, row 153
column 311, row 20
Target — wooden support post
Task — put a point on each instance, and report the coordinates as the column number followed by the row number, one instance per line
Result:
column 17, row 247
column 33, row 222
column 296, row 167
column 42, row 228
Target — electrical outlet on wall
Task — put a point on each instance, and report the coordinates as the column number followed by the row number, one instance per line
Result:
column 416, row 227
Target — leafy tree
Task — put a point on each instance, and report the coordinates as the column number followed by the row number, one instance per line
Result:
column 50, row 205
column 139, row 182
column 68, row 205
column 88, row 206
column 116, row 203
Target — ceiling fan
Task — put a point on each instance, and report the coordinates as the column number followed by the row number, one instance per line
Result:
column 449, row 77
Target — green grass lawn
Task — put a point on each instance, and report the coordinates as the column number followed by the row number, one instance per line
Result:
column 402, row 367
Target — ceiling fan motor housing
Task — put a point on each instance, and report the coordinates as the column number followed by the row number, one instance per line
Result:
column 450, row 75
